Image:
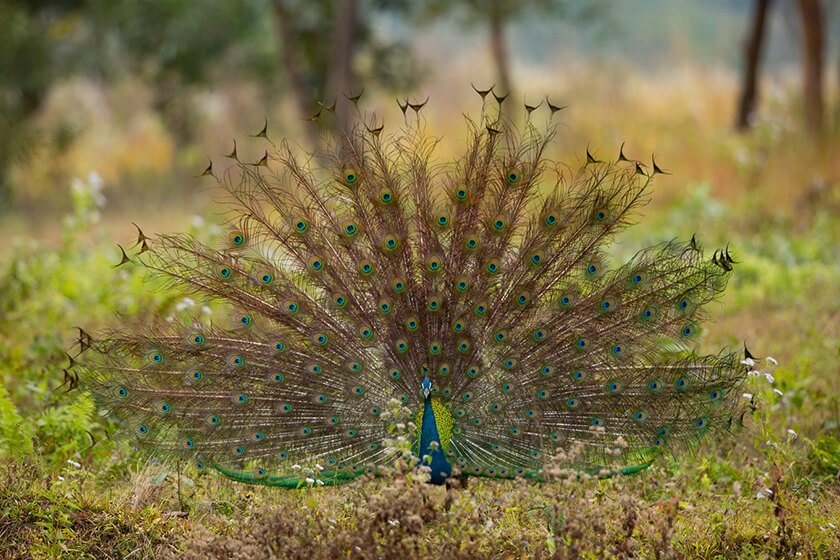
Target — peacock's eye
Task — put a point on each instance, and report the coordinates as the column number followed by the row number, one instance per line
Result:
column 350, row 176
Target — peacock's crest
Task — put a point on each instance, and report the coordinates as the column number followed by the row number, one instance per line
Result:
column 476, row 293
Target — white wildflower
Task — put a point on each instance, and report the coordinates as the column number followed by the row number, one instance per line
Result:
column 753, row 373
column 749, row 362
column 186, row 303
column 310, row 480
column 760, row 496
column 778, row 392
column 769, row 377
column 394, row 522
column 792, row 433
column 772, row 360
column 295, row 467
column 321, row 483
column 747, row 395
column 74, row 463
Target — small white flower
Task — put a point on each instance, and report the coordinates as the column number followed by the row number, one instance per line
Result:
column 753, row 373
column 760, row 496
column 749, row 362
column 747, row 395
column 186, row 303
column 792, row 433
column 206, row 310
column 61, row 479
column 772, row 360
column 832, row 525
column 74, row 463
column 321, row 483
column 772, row 443
column 295, row 467
column 394, row 522
column 319, row 467
column 310, row 480
column 769, row 377
column 778, row 392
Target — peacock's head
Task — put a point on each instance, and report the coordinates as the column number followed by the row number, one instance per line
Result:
column 427, row 388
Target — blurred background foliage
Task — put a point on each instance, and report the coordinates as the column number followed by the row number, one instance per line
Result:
column 110, row 110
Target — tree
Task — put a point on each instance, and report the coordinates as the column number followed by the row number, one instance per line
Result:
column 753, row 49
column 496, row 15
column 813, row 45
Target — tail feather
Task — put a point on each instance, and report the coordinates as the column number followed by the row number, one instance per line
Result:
column 348, row 282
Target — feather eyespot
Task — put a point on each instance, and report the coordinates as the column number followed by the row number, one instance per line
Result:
column 551, row 218
column 366, row 267
column 237, row 238
column 350, row 228
column 386, row 196
column 300, row 224
column 434, row 263
column 349, row 176
column 462, row 284
column 390, row 243
column 398, row 285
column 472, row 242
column 499, row 224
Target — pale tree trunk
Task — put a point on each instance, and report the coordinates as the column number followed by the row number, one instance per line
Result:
column 290, row 57
column 753, row 48
column 813, row 42
column 340, row 79
column 499, row 50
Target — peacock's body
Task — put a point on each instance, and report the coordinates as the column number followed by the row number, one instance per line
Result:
column 475, row 293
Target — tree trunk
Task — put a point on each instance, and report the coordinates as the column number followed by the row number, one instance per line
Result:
column 290, row 58
column 340, row 68
column 753, row 49
column 499, row 49
column 813, row 42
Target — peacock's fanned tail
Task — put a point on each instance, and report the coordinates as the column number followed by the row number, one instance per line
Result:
column 348, row 283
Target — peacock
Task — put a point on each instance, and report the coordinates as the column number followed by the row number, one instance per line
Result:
column 475, row 294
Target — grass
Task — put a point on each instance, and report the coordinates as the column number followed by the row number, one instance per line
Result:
column 772, row 491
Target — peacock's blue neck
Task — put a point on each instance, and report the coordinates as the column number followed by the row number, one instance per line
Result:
column 441, row 469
